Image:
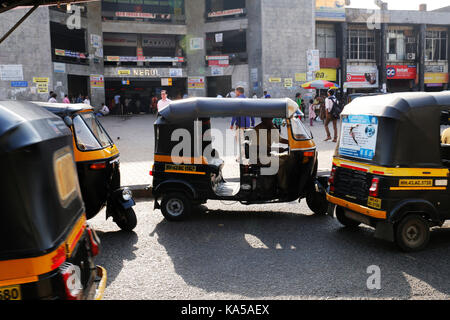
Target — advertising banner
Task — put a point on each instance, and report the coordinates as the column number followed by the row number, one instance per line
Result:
column 362, row 77
column 326, row 74
column 359, row 136
column 97, row 81
column 436, row 78
column 224, row 13
column 330, row 10
column 401, row 72
column 196, row 83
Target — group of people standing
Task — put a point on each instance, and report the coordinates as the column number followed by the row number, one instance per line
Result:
column 104, row 110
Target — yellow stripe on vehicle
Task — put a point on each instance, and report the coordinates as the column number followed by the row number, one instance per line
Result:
column 357, row 208
column 185, row 172
column 417, row 188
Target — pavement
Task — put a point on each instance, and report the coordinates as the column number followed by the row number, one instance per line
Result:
column 134, row 136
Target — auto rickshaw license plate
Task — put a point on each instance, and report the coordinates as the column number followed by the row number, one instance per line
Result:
column 374, row 202
column 10, row 293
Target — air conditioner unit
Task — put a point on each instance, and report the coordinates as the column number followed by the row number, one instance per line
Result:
column 392, row 57
column 411, row 40
column 410, row 56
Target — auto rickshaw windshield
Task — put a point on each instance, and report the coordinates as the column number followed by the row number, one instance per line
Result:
column 89, row 133
column 299, row 132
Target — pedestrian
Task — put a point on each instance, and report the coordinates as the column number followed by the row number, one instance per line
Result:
column 299, row 101
column 53, row 98
column 266, row 95
column 329, row 102
column 79, row 99
column 103, row 111
column 154, row 105
column 165, row 101
column 66, row 99
column 87, row 100
column 242, row 122
column 312, row 114
column 50, row 96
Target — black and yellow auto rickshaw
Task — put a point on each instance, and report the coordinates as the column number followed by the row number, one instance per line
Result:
column 47, row 249
column 390, row 170
column 97, row 159
column 193, row 175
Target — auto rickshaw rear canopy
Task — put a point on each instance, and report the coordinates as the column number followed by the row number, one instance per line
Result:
column 408, row 128
column 196, row 108
column 64, row 109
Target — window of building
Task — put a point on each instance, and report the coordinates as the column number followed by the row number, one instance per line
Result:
column 232, row 43
column 401, row 45
column 68, row 45
column 326, row 41
column 361, row 45
column 436, row 45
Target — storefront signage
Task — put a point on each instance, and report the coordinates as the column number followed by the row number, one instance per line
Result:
column 166, row 82
column 145, row 72
column 274, row 80
column 401, row 72
column 224, row 13
column 436, row 78
column 217, row 71
column 11, row 72
column 155, row 42
column 176, row 72
column 326, row 74
column 330, row 10
column 143, row 15
column 42, row 87
column 434, row 69
column 145, row 59
column 218, row 63
column 300, row 77
column 124, row 72
column 59, row 67
column 41, row 80
column 362, row 77
column 196, row 83
column 68, row 53
column 288, row 82
column 359, row 136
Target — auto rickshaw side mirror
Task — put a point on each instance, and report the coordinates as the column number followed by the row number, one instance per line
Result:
column 68, row 121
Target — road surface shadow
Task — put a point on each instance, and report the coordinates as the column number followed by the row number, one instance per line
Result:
column 116, row 247
column 275, row 255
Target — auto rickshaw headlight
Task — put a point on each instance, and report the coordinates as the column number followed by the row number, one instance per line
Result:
column 127, row 194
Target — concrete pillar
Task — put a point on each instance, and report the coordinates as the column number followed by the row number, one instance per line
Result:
column 421, row 52
column 195, row 44
column 254, row 47
column 383, row 75
column 96, row 66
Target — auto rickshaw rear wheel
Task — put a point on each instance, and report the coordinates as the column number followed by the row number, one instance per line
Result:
column 175, row 206
column 347, row 222
column 412, row 233
column 125, row 219
column 317, row 202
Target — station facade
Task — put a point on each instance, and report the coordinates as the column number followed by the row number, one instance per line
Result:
column 136, row 48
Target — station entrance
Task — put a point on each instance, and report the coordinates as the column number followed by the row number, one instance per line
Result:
column 136, row 94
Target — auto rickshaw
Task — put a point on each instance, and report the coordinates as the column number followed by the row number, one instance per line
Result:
column 194, row 175
column 47, row 248
column 390, row 170
column 97, row 160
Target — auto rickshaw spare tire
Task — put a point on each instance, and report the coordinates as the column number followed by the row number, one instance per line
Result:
column 412, row 233
column 317, row 202
column 347, row 222
column 125, row 218
column 176, row 206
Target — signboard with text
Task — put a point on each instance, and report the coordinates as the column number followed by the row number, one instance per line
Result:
column 401, row 72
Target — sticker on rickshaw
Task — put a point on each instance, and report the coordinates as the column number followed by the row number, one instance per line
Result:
column 415, row 183
column 374, row 202
column 10, row 293
column 175, row 167
column 359, row 136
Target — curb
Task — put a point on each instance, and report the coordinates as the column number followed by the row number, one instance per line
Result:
column 141, row 191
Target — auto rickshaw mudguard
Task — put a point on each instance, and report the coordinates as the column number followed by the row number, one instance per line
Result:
column 413, row 205
column 175, row 184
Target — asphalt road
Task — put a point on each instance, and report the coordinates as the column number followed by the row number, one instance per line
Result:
column 232, row 251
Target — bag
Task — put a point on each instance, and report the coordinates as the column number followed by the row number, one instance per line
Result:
column 336, row 109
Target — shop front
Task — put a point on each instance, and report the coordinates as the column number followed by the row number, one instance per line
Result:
column 436, row 81
column 401, row 78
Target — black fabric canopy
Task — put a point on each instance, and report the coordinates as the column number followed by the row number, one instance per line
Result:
column 194, row 108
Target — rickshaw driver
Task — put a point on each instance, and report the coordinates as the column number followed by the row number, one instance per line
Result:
column 283, row 159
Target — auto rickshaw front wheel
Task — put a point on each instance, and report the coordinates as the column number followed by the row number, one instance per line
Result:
column 125, row 218
column 412, row 233
column 175, row 206
column 317, row 202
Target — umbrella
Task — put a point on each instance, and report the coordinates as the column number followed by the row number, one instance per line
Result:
column 320, row 84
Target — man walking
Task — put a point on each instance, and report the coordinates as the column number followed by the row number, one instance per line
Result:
column 164, row 100
column 242, row 122
column 329, row 102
